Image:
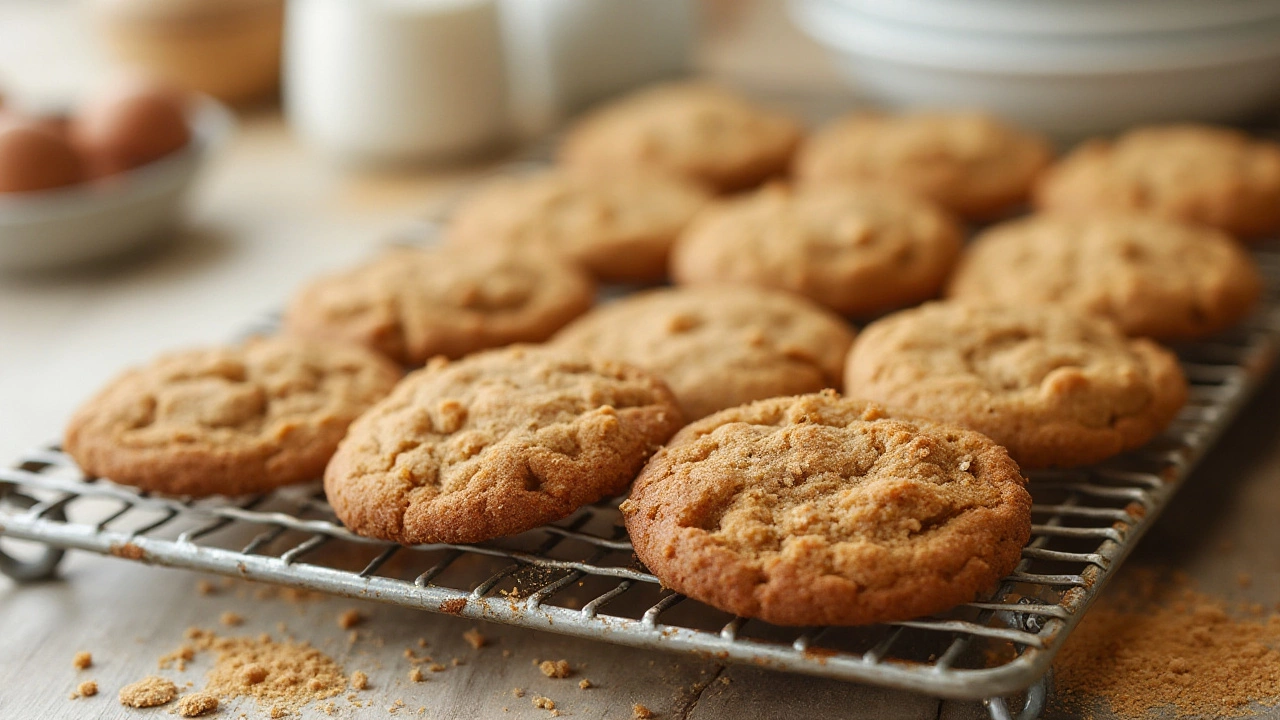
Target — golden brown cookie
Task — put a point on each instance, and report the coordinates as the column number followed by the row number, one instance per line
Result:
column 228, row 420
column 1154, row 277
column 718, row 346
column 1055, row 388
column 1194, row 173
column 820, row 510
column 969, row 163
column 495, row 444
column 859, row 250
column 619, row 227
column 412, row 305
column 701, row 132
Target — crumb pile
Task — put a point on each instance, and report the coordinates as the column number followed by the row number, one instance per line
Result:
column 284, row 676
column 197, row 704
column 150, row 691
column 1158, row 643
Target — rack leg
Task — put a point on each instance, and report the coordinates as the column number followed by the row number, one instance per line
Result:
column 44, row 566
column 1037, row 696
column 41, row 568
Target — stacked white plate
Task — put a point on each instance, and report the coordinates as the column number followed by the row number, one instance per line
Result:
column 1068, row 67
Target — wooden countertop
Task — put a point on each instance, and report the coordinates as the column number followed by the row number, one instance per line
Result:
column 269, row 216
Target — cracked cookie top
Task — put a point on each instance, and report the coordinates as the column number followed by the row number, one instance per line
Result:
column 412, row 304
column 228, row 420
column 495, row 444
column 619, row 227
column 1209, row 175
column 1055, row 388
column 718, row 346
column 822, row 510
column 969, row 163
column 1153, row 277
column 859, row 250
column 698, row 131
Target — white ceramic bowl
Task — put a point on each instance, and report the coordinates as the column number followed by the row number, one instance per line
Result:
column 55, row 228
column 1067, row 78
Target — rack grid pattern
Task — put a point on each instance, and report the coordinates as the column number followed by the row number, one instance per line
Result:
column 579, row 577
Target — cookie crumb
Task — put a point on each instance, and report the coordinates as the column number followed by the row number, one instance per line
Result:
column 278, row 712
column 415, row 675
column 475, row 639
column 518, row 692
column 640, row 712
column 350, row 618
column 506, row 653
column 150, row 691
column 329, row 708
column 231, row 619
column 436, row 667
column 359, row 680
column 555, row 668
column 197, row 704
column 253, row 673
column 422, row 642
column 583, row 684
column 82, row 660
column 457, row 661
column 204, row 587
column 545, row 703
column 88, row 688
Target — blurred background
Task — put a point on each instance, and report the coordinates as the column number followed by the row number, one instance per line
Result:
column 171, row 168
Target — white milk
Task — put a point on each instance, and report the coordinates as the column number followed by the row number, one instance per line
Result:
column 396, row 81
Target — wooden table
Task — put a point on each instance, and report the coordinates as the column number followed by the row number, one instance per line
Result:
column 269, row 216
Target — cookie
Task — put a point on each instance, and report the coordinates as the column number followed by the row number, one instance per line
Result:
column 228, row 421
column 969, row 163
column 718, row 346
column 1194, row 173
column 412, row 305
column 697, row 131
column 821, row 510
column 1154, row 277
column 859, row 250
column 495, row 444
column 619, row 227
column 1055, row 388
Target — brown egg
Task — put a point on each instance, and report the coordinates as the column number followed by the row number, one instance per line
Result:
column 130, row 123
column 34, row 158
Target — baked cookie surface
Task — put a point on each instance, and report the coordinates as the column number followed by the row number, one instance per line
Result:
column 1152, row 277
column 859, row 250
column 718, row 346
column 1055, row 388
column 495, row 444
column 228, row 420
column 1194, row 173
column 969, row 163
column 412, row 304
column 821, row 510
column 701, row 132
column 619, row 227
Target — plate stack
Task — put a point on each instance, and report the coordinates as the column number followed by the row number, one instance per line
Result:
column 1068, row 68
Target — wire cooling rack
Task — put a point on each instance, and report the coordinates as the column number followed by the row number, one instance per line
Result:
column 579, row 577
